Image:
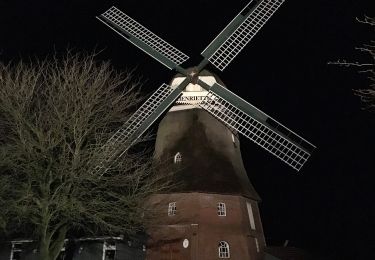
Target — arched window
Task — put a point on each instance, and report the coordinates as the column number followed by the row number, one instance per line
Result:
column 221, row 210
column 224, row 250
column 178, row 158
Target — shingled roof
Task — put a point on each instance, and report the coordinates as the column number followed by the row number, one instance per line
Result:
column 211, row 161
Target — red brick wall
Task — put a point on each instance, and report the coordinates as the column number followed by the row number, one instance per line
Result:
column 197, row 220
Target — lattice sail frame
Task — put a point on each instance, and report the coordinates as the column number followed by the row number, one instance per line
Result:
column 123, row 138
column 269, row 138
column 221, row 56
column 143, row 38
column 246, row 119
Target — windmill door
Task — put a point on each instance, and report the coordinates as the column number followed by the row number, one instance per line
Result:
column 174, row 251
column 178, row 245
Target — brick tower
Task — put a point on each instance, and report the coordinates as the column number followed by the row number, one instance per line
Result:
column 214, row 214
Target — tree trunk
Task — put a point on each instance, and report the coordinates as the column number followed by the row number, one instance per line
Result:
column 44, row 238
column 44, row 249
column 58, row 243
column 49, row 249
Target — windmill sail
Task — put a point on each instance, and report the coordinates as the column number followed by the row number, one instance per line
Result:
column 220, row 102
column 257, row 126
column 137, row 124
column 238, row 33
column 143, row 38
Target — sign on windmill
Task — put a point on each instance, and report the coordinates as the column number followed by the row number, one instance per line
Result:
column 220, row 102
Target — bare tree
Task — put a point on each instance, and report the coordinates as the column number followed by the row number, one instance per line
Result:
column 367, row 95
column 55, row 114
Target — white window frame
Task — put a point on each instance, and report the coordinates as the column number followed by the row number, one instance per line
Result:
column 15, row 249
column 177, row 158
column 108, row 247
column 251, row 215
column 172, row 208
column 224, row 251
column 221, row 209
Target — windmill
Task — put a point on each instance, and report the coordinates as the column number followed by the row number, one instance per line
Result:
column 223, row 104
column 242, row 237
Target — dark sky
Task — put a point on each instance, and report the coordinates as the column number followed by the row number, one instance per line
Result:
column 329, row 206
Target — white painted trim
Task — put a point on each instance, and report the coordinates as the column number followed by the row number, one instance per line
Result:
column 257, row 244
column 251, row 215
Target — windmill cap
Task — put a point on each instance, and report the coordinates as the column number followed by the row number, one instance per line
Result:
column 193, row 93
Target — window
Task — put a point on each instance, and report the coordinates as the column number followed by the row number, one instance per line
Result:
column 109, row 251
column 224, row 250
column 251, row 215
column 178, row 158
column 16, row 251
column 172, row 209
column 221, row 210
column 62, row 254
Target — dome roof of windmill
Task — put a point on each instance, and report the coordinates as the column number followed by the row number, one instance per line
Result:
column 208, row 152
column 204, row 74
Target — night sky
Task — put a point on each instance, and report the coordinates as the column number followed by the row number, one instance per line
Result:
column 326, row 208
